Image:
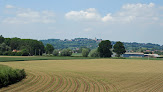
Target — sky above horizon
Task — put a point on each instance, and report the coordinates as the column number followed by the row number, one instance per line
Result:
column 115, row 20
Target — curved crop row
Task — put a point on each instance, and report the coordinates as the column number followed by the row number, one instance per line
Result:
column 39, row 81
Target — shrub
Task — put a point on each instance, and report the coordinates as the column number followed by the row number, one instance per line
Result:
column 12, row 53
column 6, row 53
column 55, row 52
column 18, row 54
column 1, row 53
column 25, row 52
column 85, row 52
column 94, row 53
column 9, row 75
column 66, row 52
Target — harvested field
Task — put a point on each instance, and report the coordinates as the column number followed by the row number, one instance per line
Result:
column 89, row 75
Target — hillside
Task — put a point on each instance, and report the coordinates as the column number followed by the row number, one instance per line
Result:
column 93, row 43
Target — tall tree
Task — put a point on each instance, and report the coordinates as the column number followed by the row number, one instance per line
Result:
column 49, row 48
column 4, row 47
column 104, row 48
column 15, row 43
column 119, row 48
column 7, row 41
column 1, row 39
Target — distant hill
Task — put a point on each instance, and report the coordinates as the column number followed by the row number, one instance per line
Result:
column 93, row 43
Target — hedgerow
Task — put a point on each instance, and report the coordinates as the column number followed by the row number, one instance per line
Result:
column 9, row 75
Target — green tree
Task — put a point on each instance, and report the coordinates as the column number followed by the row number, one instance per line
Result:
column 94, row 53
column 81, row 48
column 25, row 52
column 7, row 41
column 66, row 52
column 49, row 48
column 104, row 48
column 119, row 48
column 4, row 47
column 85, row 52
column 55, row 52
column 34, row 47
column 2, row 39
column 15, row 43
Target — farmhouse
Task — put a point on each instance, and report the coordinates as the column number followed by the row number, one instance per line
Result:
column 16, row 50
column 133, row 55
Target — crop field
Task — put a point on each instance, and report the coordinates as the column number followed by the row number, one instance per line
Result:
column 89, row 75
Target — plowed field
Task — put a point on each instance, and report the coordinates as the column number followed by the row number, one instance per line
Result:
column 92, row 75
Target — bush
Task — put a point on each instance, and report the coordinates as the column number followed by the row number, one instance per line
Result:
column 9, row 75
column 1, row 53
column 18, row 54
column 25, row 52
column 94, row 53
column 12, row 53
column 55, row 52
column 66, row 52
column 6, row 53
column 85, row 52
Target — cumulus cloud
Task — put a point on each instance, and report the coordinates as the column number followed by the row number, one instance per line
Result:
column 138, row 10
column 138, row 6
column 128, row 13
column 88, row 14
column 30, row 16
column 108, row 17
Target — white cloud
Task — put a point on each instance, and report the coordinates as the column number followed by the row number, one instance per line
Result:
column 138, row 6
column 138, row 10
column 89, row 14
column 108, row 17
column 10, row 6
column 25, row 16
column 128, row 13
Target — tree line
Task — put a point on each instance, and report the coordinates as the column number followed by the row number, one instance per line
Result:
column 76, row 43
column 29, row 47
column 20, row 47
column 105, row 50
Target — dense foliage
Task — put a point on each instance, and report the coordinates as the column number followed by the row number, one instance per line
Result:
column 55, row 52
column 85, row 52
column 20, row 47
column 93, row 44
column 119, row 48
column 66, row 52
column 49, row 48
column 72, row 44
column 9, row 76
column 1, row 39
column 94, row 53
column 104, row 48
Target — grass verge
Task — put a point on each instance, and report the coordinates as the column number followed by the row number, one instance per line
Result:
column 28, row 58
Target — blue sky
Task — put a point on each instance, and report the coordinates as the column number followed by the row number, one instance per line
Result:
column 115, row 20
